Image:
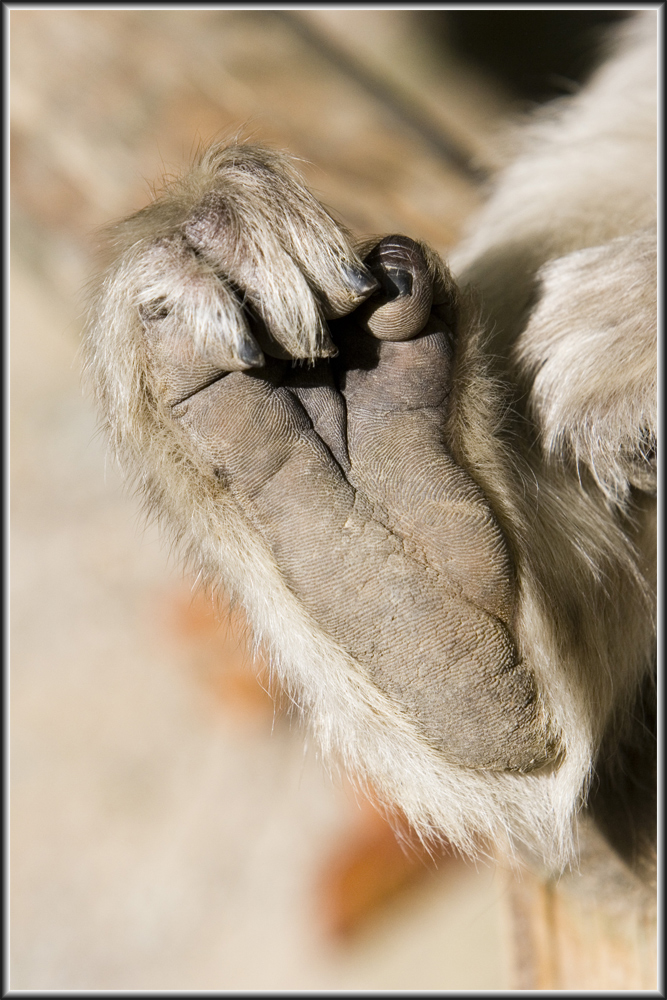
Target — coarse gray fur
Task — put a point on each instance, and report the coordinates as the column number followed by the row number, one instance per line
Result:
column 446, row 544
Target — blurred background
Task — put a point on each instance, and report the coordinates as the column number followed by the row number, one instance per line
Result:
column 171, row 828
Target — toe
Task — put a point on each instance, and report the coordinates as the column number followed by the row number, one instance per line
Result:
column 396, row 397
column 191, row 318
column 291, row 262
column 401, row 306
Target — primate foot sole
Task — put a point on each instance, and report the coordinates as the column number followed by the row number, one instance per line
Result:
column 383, row 538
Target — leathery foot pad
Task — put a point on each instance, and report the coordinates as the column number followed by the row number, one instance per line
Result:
column 342, row 467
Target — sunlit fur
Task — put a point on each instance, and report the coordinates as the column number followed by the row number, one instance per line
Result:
column 553, row 413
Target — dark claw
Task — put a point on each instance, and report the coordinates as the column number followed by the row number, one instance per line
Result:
column 250, row 353
column 359, row 280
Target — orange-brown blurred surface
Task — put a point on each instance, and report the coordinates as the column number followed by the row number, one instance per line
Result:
column 372, row 866
column 171, row 826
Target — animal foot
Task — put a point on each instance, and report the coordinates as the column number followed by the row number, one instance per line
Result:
column 390, row 546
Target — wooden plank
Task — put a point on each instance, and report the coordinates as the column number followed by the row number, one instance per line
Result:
column 408, row 53
column 104, row 102
column 593, row 929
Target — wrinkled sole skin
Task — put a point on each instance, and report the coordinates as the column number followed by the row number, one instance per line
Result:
column 389, row 545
